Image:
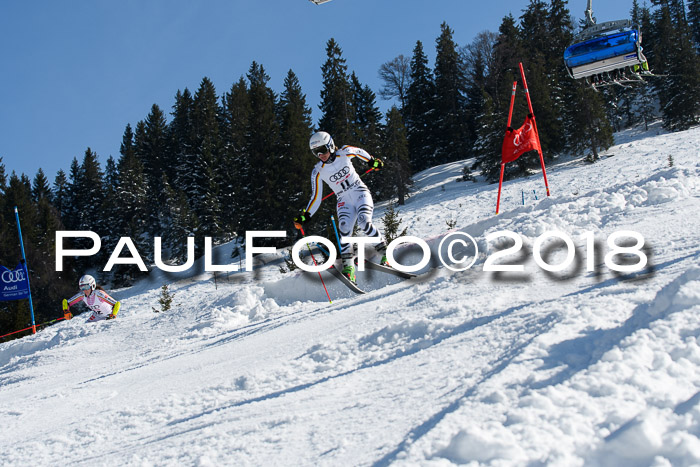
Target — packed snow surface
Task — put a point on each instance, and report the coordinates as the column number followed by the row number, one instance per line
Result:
column 584, row 366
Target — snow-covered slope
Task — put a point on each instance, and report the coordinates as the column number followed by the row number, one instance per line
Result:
column 568, row 368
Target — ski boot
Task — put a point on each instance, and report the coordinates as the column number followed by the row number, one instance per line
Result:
column 381, row 248
column 349, row 268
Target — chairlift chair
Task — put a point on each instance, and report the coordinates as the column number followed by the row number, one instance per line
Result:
column 607, row 53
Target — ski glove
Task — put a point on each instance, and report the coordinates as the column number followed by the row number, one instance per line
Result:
column 66, row 310
column 111, row 316
column 301, row 219
column 376, row 164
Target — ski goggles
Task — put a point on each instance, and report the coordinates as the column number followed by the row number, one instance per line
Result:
column 86, row 287
column 318, row 151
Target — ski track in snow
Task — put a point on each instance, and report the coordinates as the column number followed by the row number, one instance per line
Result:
column 571, row 368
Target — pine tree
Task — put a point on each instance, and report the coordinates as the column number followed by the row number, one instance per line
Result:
column 40, row 187
column 86, row 200
column 537, row 37
column 181, row 224
column 69, row 214
column 392, row 224
column 508, row 52
column 475, row 95
column 615, row 104
column 561, row 34
column 534, row 28
column 420, row 110
column 19, row 193
column 111, row 176
column 151, row 147
column 451, row 132
column 337, row 111
column 59, row 192
column 263, row 153
column 297, row 162
column 110, row 213
column 204, row 194
column 46, row 284
column 89, row 191
column 594, row 130
column 234, row 163
column 3, row 178
column 640, row 102
column 166, row 299
column 152, row 150
column 636, row 13
column 478, row 59
column 694, row 22
column 645, row 103
column 550, row 129
column 368, row 117
column 181, row 142
column 368, row 127
column 129, row 203
column 491, row 124
column 679, row 95
column 396, row 175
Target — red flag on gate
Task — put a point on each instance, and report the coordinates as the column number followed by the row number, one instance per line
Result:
column 524, row 139
column 518, row 142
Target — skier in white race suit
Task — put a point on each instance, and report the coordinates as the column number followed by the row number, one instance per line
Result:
column 354, row 201
column 102, row 305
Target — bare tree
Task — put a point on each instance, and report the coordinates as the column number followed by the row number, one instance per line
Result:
column 396, row 75
column 481, row 49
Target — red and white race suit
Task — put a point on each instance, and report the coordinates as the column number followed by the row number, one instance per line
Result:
column 100, row 303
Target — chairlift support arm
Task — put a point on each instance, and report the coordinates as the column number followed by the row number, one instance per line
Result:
column 590, row 20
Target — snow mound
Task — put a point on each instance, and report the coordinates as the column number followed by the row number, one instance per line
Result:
column 480, row 445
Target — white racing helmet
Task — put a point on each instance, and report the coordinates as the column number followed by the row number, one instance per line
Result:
column 321, row 143
column 87, row 282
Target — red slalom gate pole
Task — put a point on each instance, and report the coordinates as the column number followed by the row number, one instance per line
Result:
column 15, row 332
column 500, row 185
column 503, row 165
column 532, row 112
column 319, row 272
column 512, row 101
column 527, row 92
column 30, row 327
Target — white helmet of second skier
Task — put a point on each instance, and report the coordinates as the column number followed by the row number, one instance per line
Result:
column 87, row 282
column 321, row 143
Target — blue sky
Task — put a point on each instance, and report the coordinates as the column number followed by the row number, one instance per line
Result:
column 75, row 73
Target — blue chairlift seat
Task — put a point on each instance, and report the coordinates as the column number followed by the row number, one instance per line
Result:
column 606, row 53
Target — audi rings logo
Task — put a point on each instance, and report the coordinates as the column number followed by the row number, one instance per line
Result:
column 340, row 174
column 10, row 277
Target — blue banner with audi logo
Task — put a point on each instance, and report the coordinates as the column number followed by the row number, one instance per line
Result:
column 14, row 283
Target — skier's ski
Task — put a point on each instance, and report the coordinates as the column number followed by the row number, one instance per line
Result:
column 339, row 275
column 388, row 270
column 351, row 285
